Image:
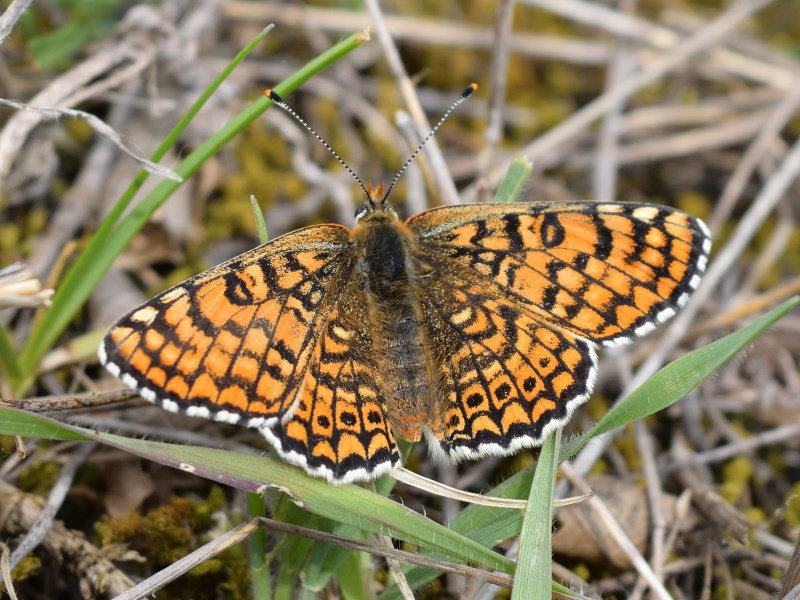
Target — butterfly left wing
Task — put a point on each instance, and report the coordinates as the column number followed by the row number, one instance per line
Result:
column 272, row 340
column 233, row 343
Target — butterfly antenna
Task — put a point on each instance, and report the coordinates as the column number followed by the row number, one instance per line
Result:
column 463, row 96
column 281, row 103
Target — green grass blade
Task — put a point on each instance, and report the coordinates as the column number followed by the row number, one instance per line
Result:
column 346, row 504
column 534, row 573
column 8, row 356
column 261, row 226
column 674, row 381
column 257, row 549
column 514, row 181
column 172, row 137
column 93, row 263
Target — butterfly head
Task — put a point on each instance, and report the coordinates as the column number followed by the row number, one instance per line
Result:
column 376, row 208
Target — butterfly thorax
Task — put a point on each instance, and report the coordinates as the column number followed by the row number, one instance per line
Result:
column 384, row 247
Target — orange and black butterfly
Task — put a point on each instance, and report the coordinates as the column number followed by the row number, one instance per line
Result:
column 474, row 326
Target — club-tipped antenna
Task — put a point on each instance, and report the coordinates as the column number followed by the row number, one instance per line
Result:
column 463, row 96
column 281, row 103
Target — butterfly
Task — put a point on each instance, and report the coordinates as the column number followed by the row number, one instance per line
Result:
column 473, row 326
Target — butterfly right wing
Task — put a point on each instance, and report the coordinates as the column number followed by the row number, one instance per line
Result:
column 234, row 343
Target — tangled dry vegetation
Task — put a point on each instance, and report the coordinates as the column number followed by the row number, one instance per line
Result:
column 689, row 104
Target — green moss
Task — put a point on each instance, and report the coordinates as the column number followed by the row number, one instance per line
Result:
column 792, row 512
column 736, row 474
column 27, row 567
column 39, row 478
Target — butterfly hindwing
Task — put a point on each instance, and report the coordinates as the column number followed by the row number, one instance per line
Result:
column 339, row 428
column 504, row 378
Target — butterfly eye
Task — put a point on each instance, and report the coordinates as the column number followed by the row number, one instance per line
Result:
column 361, row 211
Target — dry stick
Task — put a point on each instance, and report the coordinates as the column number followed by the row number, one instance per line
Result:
column 447, row 188
column 688, row 143
column 655, row 498
column 700, row 41
column 774, row 436
column 5, row 571
column 754, row 154
column 623, row 62
column 498, row 72
column 394, row 565
column 396, row 570
column 54, row 113
column 792, row 577
column 662, row 38
column 423, row 31
column 606, row 520
column 10, row 17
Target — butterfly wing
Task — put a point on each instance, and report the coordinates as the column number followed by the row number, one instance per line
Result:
column 607, row 272
column 339, row 428
column 521, row 294
column 269, row 340
column 504, row 378
column 232, row 343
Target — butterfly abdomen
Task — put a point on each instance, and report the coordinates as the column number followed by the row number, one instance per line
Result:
column 398, row 345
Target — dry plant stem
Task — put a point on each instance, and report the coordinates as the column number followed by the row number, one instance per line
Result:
column 756, row 152
column 44, row 521
column 439, row 489
column 548, row 145
column 10, row 17
column 498, row 73
column 71, row 401
column 420, row 31
column 623, row 62
column 655, row 497
column 663, row 38
column 617, row 534
column 396, row 570
column 394, row 565
column 68, row 89
column 447, row 188
column 791, row 581
column 5, row 571
column 49, row 113
column 778, row 435
column 689, row 143
column 243, row 531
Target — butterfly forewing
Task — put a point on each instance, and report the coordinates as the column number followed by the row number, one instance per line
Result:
column 606, row 272
column 234, row 343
